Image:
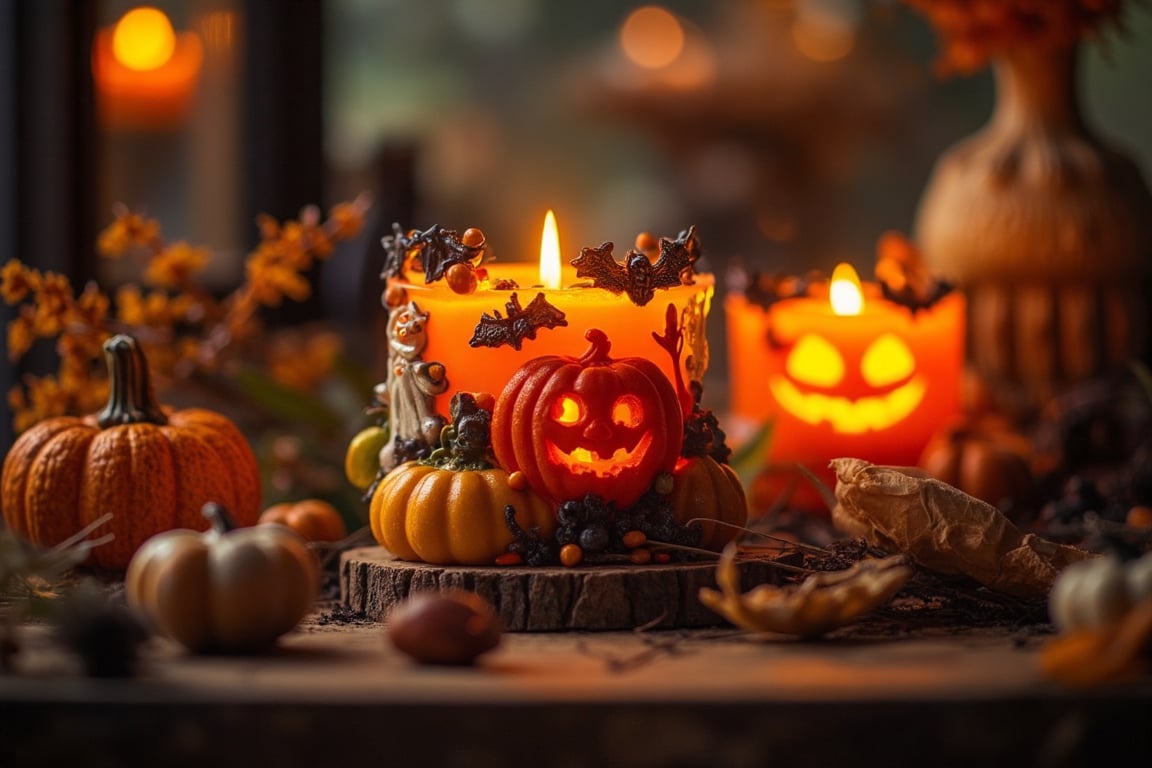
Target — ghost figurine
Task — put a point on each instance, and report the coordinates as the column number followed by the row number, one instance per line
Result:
column 411, row 388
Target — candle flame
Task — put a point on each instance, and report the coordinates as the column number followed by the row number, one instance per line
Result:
column 844, row 292
column 550, row 253
column 143, row 39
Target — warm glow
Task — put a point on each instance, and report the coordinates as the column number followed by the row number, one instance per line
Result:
column 143, row 39
column 550, row 253
column 652, row 37
column 850, row 417
column 589, row 461
column 568, row 411
column 887, row 361
column 815, row 361
column 844, row 292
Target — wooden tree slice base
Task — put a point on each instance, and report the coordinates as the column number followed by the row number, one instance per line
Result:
column 594, row 597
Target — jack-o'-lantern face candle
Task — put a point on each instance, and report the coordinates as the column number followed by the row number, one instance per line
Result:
column 844, row 372
column 854, row 383
column 592, row 424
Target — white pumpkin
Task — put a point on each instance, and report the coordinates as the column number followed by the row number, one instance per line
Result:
column 1093, row 593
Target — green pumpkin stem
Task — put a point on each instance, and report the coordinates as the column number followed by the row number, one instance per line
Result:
column 218, row 516
column 130, row 396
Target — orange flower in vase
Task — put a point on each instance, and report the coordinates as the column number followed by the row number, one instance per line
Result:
column 1041, row 222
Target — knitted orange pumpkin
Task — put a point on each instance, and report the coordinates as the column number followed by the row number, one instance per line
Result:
column 153, row 468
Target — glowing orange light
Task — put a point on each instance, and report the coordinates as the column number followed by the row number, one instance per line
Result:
column 823, row 38
column 652, row 37
column 844, row 292
column 143, row 39
column 550, row 253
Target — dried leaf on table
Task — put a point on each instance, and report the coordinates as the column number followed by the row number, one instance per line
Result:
column 944, row 529
column 819, row 604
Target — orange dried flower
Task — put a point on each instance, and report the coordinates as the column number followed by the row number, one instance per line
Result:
column 53, row 303
column 17, row 281
column 90, row 310
column 175, row 266
column 346, row 219
column 972, row 31
column 21, row 336
column 186, row 328
column 270, row 282
column 128, row 230
column 156, row 310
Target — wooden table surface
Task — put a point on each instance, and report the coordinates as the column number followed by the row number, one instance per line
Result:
column 336, row 692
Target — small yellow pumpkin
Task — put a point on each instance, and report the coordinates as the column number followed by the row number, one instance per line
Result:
column 449, row 508
column 704, row 488
column 445, row 516
column 313, row 519
column 228, row 589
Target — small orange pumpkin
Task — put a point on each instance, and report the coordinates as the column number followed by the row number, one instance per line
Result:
column 313, row 519
column 989, row 462
column 152, row 467
column 704, row 488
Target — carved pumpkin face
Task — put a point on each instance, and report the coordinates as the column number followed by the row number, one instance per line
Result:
column 853, row 394
column 592, row 424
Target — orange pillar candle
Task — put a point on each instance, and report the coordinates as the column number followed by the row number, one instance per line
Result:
column 844, row 372
column 452, row 320
column 145, row 74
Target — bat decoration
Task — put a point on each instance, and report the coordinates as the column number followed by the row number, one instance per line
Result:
column 494, row 330
column 638, row 276
column 436, row 248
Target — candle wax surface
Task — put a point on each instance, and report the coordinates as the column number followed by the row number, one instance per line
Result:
column 146, row 99
column 831, row 406
column 452, row 320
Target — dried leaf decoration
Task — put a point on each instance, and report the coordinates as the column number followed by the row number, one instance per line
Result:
column 821, row 603
column 944, row 529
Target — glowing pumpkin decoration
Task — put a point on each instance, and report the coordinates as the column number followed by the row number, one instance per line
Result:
column 846, row 374
column 591, row 424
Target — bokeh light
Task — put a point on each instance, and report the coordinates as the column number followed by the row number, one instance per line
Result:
column 143, row 39
column 652, row 37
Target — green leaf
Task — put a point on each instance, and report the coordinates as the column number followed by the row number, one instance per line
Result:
column 748, row 460
column 284, row 402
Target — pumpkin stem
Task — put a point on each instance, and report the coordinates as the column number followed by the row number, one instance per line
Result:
column 218, row 516
column 130, row 396
column 598, row 351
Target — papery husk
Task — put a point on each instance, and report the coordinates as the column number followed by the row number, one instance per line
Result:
column 944, row 530
column 819, row 604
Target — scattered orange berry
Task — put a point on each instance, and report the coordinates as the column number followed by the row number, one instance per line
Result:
column 509, row 558
column 646, row 242
column 473, row 237
column 1140, row 517
column 634, row 539
column 663, row 558
column 485, row 400
column 641, row 556
column 517, row 481
column 394, row 295
column 461, row 278
column 571, row 555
